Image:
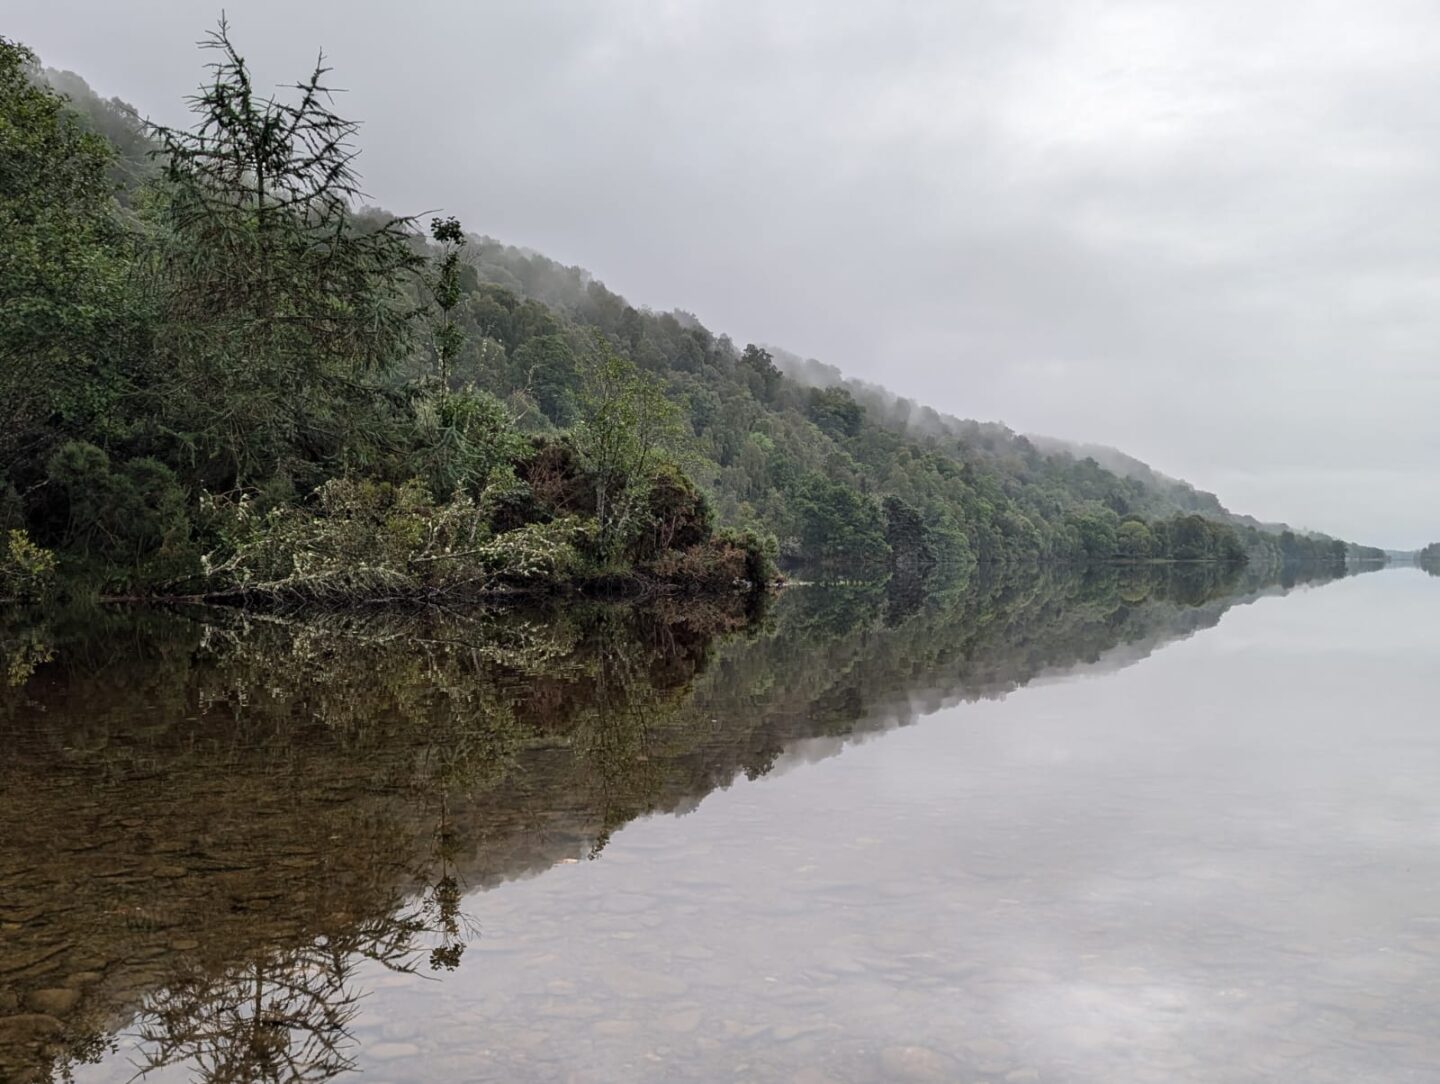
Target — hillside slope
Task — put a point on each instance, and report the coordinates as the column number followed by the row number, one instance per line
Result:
column 767, row 423
column 844, row 475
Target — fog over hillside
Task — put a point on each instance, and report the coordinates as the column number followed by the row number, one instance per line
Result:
column 1195, row 233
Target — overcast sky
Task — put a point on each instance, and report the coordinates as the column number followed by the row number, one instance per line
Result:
column 1207, row 233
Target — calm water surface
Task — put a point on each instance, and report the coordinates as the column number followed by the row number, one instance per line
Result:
column 1117, row 829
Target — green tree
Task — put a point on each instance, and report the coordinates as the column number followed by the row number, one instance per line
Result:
column 839, row 527
column 627, row 426
column 69, row 315
column 1428, row 558
column 836, row 412
column 1095, row 527
column 446, row 338
column 1133, row 541
column 760, row 371
column 548, row 372
column 279, row 308
column 125, row 513
column 911, row 551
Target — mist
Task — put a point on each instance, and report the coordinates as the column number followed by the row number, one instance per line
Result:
column 1204, row 235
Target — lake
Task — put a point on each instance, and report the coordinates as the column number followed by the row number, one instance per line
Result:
column 1136, row 825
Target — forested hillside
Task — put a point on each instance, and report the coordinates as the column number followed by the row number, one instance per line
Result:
column 222, row 375
column 1428, row 558
column 769, row 424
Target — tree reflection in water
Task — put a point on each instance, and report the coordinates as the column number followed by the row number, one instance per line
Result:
column 285, row 1016
column 282, row 1019
column 243, row 815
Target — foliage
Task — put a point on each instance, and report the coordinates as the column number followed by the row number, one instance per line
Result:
column 1195, row 538
column 842, row 529
column 1133, row 541
column 464, row 441
column 27, row 572
column 836, row 412
column 234, row 349
column 68, row 308
column 1287, row 547
column 446, row 338
column 732, row 558
column 1428, row 558
column 626, row 425
column 677, row 514
column 129, row 518
column 911, row 550
column 1093, row 527
column 759, row 550
column 277, row 311
column 367, row 539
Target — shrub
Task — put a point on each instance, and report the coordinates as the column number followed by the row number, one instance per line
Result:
column 760, row 552
column 557, row 478
column 677, row 514
column 27, row 571
column 366, row 540
column 466, row 437
column 507, row 502
column 129, row 518
column 729, row 559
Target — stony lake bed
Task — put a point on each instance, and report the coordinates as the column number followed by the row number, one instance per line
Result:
column 1142, row 825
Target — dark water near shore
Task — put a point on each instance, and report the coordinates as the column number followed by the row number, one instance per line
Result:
column 1141, row 825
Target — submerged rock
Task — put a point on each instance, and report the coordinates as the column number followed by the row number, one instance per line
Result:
column 28, row 1028
column 916, row 1063
column 53, row 1000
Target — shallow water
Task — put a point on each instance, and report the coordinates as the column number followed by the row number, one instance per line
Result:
column 1124, row 828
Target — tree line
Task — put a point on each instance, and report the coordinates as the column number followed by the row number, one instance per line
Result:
column 1428, row 558
column 222, row 373
column 231, row 381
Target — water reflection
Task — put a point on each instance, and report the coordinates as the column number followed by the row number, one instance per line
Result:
column 213, row 822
